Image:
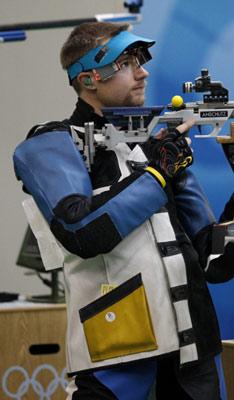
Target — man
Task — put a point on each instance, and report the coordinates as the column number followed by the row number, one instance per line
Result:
column 135, row 289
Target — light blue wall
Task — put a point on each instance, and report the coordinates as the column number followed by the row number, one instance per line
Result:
column 191, row 35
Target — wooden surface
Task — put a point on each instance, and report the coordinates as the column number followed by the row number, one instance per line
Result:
column 35, row 375
column 227, row 138
column 228, row 366
column 26, row 373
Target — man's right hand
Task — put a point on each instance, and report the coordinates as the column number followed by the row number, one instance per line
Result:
column 171, row 153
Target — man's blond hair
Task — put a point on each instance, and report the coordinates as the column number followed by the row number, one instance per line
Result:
column 85, row 37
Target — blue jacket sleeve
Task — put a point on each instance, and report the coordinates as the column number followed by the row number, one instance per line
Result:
column 192, row 205
column 52, row 170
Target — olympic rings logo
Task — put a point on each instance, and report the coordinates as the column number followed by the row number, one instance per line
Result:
column 44, row 393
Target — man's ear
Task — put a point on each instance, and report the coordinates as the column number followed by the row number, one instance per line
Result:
column 86, row 80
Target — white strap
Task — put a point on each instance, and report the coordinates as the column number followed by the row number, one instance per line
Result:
column 137, row 154
column 51, row 253
column 75, row 130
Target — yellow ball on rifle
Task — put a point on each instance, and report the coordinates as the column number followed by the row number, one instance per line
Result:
column 177, row 101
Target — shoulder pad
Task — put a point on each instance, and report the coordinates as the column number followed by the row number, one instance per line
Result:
column 48, row 127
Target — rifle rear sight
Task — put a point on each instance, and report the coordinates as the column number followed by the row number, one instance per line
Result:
column 217, row 93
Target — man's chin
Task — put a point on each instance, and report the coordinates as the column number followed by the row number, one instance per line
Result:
column 138, row 102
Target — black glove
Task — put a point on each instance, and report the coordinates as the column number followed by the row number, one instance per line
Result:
column 169, row 155
column 221, row 269
column 228, row 212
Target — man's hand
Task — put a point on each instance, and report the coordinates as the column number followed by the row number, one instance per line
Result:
column 171, row 153
column 221, row 269
column 183, row 128
column 228, row 212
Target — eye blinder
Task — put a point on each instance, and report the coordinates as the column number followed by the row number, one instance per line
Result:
column 142, row 55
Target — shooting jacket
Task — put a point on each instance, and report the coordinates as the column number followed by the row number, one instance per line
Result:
column 134, row 285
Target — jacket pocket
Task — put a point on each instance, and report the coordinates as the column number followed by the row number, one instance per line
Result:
column 119, row 323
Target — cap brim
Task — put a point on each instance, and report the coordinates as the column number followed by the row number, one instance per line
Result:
column 119, row 43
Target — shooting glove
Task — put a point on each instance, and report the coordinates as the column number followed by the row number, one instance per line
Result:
column 169, row 155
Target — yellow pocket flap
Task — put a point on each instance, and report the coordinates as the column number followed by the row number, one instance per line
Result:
column 119, row 322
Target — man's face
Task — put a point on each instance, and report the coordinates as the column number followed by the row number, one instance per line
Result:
column 126, row 87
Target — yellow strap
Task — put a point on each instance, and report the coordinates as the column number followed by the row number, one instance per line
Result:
column 157, row 174
column 106, row 288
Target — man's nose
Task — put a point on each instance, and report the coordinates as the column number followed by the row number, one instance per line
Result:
column 141, row 73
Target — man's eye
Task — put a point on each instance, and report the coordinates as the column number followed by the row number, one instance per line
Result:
column 124, row 64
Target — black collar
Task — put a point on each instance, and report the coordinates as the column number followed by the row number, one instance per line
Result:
column 84, row 112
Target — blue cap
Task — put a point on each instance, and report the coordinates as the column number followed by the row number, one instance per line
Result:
column 105, row 54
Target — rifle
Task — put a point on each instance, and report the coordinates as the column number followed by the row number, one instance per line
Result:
column 139, row 122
